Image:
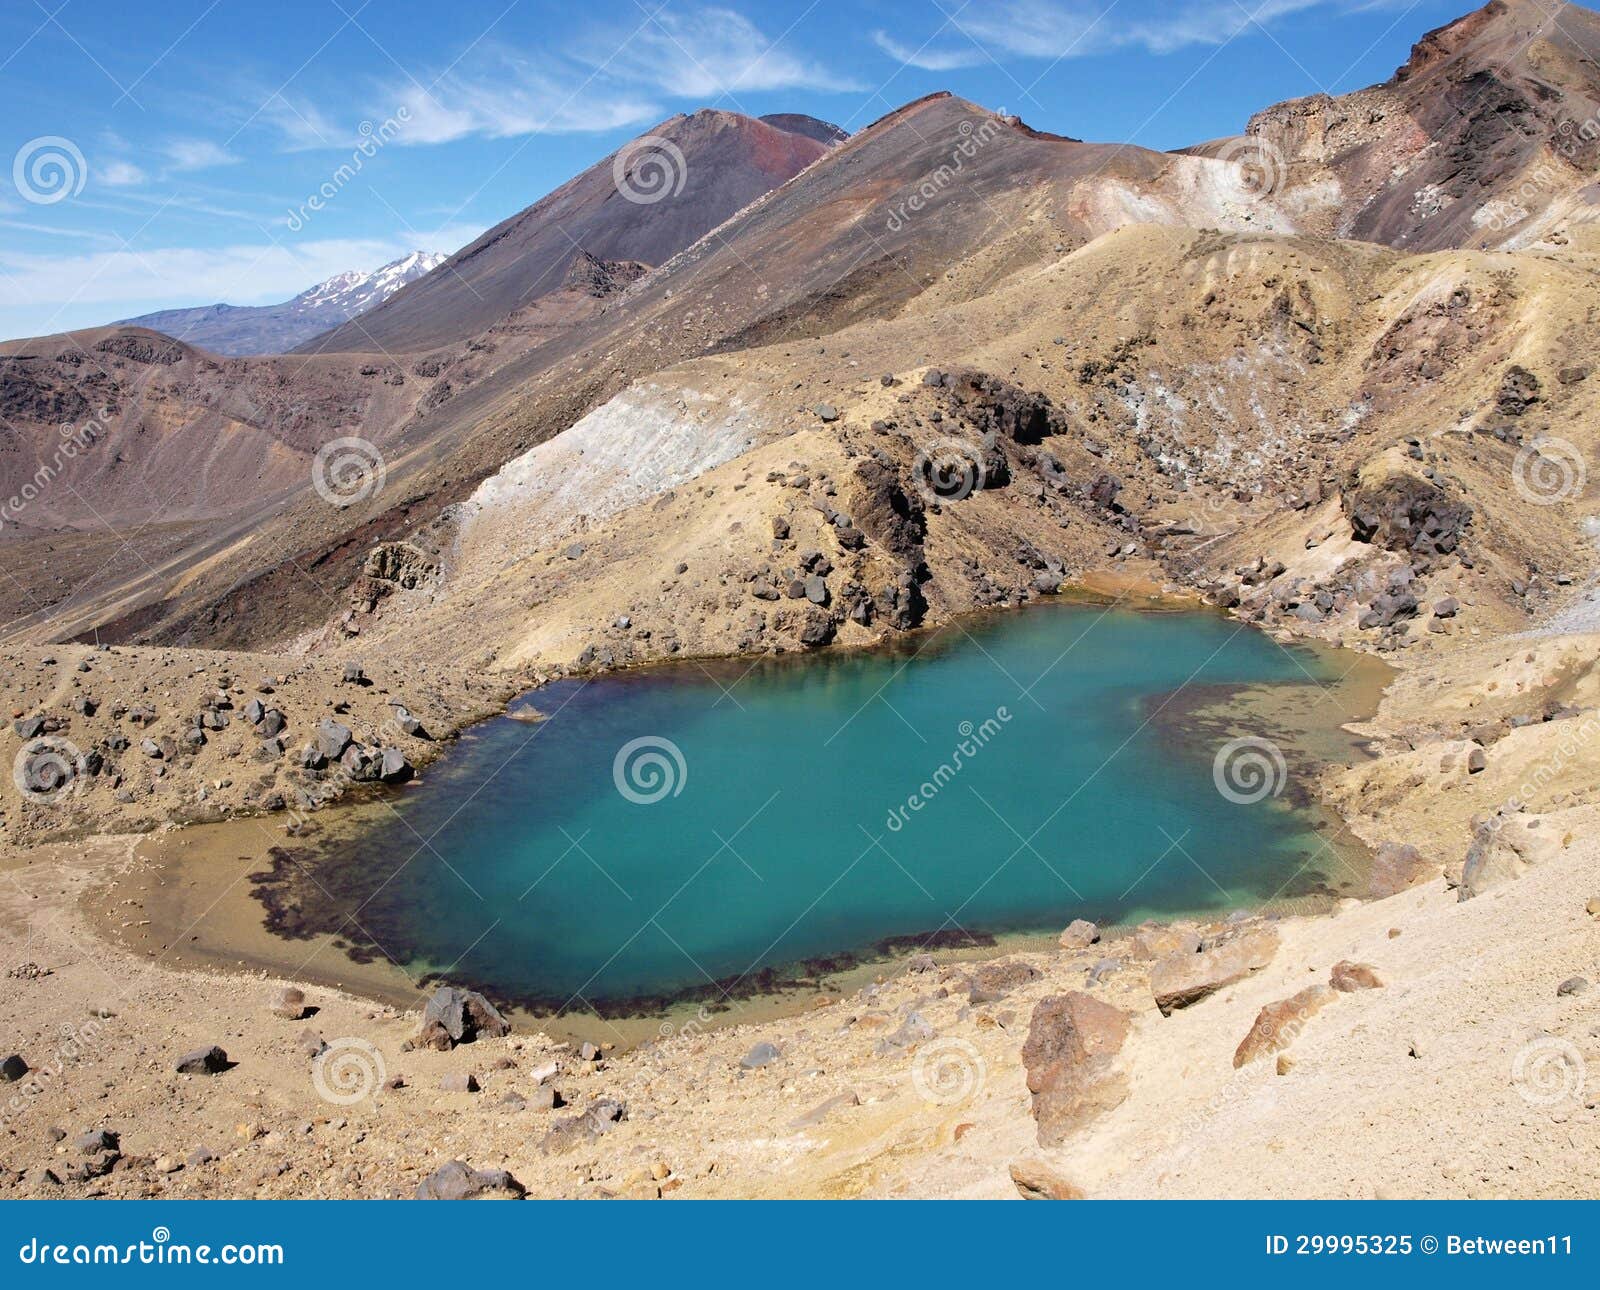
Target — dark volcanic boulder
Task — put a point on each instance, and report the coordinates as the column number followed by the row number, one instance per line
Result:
column 1519, row 391
column 204, row 1061
column 886, row 512
column 459, row 1181
column 996, row 406
column 458, row 1017
column 1399, row 511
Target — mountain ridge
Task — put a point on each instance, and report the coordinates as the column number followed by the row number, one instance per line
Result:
column 242, row 330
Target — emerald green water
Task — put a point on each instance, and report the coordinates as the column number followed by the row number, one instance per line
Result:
column 786, row 825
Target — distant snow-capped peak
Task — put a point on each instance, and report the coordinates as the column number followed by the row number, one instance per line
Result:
column 355, row 292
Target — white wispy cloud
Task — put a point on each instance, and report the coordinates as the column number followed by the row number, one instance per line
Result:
column 304, row 125
column 710, row 52
column 197, row 154
column 508, row 96
column 927, row 57
column 1056, row 29
column 631, row 76
column 120, row 174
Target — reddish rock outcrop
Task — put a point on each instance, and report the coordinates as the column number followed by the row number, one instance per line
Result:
column 1183, row 978
column 1279, row 1023
column 1070, row 1056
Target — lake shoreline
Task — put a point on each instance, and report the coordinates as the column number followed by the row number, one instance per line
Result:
column 179, row 876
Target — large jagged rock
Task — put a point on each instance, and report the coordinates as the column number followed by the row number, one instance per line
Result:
column 599, row 278
column 1181, row 979
column 1071, row 1059
column 887, row 512
column 1503, row 847
column 990, row 982
column 459, row 1181
column 1392, row 508
column 402, row 564
column 458, row 1017
column 1278, row 1024
column 569, row 1134
column 995, row 406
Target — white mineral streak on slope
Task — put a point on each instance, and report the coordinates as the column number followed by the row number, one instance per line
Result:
column 636, row 446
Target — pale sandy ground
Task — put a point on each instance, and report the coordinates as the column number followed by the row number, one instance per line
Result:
column 1469, row 987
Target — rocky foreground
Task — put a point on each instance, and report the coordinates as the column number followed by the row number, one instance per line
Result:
column 1334, row 1056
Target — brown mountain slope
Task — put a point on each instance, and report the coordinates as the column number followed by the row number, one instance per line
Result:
column 691, row 174
column 936, row 204
column 1489, row 134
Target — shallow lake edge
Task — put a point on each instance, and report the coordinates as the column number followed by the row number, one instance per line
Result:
column 780, row 990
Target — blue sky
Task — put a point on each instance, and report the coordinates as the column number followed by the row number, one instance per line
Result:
column 162, row 154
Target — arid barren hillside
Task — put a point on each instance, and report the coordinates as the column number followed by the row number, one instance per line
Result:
column 750, row 387
column 941, row 203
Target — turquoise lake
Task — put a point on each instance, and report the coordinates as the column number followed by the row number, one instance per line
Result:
column 693, row 830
